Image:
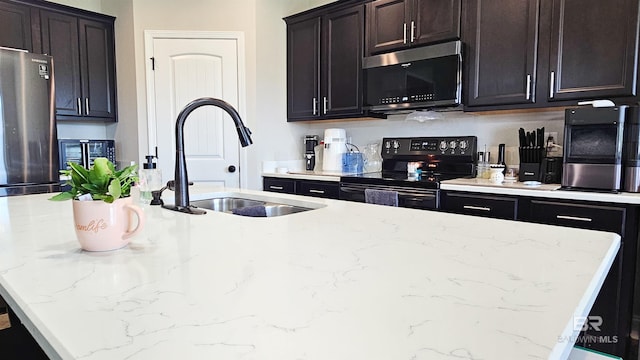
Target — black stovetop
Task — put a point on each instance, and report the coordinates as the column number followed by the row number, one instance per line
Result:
column 401, row 179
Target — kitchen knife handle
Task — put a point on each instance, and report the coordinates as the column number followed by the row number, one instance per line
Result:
column 528, row 97
column 86, row 106
column 79, row 106
column 315, row 106
column 552, row 84
column 576, row 218
column 404, row 32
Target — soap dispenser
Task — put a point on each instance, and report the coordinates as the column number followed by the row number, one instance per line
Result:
column 150, row 179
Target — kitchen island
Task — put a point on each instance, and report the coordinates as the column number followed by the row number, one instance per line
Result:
column 343, row 281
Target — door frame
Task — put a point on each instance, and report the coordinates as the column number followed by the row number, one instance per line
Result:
column 238, row 36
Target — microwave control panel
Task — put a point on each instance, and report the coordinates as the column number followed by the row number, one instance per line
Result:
column 407, row 99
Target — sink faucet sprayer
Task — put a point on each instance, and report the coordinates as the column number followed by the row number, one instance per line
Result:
column 181, row 178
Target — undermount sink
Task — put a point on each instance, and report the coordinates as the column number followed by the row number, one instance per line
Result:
column 249, row 207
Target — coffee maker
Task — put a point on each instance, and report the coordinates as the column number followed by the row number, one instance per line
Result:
column 310, row 143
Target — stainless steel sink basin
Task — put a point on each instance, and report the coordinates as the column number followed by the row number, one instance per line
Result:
column 281, row 209
column 226, row 204
column 248, row 207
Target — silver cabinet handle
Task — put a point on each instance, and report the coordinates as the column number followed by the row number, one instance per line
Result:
column 552, row 84
column 315, row 106
column 79, row 106
column 273, row 187
column 413, row 30
column 481, row 208
column 528, row 86
column 576, row 218
column 86, row 106
column 404, row 31
column 324, row 102
column 316, row 191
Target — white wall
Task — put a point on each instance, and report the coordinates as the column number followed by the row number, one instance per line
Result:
column 265, row 41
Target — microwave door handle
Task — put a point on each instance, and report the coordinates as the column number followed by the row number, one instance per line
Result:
column 84, row 147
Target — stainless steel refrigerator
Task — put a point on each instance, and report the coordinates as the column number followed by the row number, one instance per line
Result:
column 28, row 138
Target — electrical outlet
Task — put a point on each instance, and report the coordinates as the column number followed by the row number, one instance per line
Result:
column 553, row 135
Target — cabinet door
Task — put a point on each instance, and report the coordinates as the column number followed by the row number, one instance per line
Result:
column 323, row 189
column 500, row 207
column 303, row 69
column 15, row 26
column 342, row 62
column 593, row 49
column 502, row 44
column 60, row 40
column 611, row 305
column 287, row 186
column 97, row 69
column 434, row 21
column 386, row 25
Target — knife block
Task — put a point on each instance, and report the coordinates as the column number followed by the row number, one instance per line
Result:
column 530, row 172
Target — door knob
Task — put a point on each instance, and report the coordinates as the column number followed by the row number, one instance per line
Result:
column 231, row 168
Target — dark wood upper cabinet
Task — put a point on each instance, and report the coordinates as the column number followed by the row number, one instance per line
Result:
column 84, row 65
column 83, row 48
column 398, row 24
column 342, row 62
column 501, row 54
column 545, row 53
column 593, row 49
column 60, row 40
column 303, row 68
column 15, row 26
column 324, row 61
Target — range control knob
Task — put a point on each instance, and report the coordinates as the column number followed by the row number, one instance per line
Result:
column 464, row 144
column 443, row 145
column 387, row 144
column 453, row 144
column 396, row 144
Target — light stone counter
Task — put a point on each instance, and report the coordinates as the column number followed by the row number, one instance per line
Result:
column 345, row 281
column 543, row 190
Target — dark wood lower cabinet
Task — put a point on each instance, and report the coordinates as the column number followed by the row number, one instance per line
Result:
column 323, row 189
column 612, row 318
column 500, row 207
column 16, row 343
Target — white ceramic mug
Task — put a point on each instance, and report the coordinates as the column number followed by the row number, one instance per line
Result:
column 101, row 226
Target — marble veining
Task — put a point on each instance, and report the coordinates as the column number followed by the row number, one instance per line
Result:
column 345, row 281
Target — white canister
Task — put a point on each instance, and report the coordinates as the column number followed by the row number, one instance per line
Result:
column 496, row 176
column 335, row 144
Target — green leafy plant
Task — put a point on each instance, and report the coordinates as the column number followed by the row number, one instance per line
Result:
column 102, row 181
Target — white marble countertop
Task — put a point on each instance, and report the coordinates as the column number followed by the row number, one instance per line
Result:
column 543, row 190
column 345, row 281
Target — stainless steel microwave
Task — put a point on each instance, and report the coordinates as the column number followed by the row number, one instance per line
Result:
column 424, row 77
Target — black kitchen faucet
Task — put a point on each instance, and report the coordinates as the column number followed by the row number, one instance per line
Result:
column 181, row 180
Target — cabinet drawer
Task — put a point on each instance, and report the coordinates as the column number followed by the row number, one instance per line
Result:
column 318, row 189
column 481, row 205
column 287, row 186
column 584, row 216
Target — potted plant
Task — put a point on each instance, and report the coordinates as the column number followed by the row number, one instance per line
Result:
column 102, row 204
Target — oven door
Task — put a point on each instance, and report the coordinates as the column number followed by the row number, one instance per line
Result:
column 416, row 198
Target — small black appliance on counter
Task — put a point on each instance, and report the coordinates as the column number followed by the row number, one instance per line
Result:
column 310, row 143
column 593, row 142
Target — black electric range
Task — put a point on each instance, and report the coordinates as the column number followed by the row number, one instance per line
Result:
column 434, row 159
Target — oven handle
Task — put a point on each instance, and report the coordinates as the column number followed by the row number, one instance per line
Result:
column 413, row 196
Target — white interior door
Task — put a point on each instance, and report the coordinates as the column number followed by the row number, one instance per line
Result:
column 185, row 69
